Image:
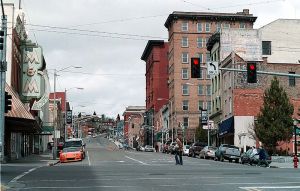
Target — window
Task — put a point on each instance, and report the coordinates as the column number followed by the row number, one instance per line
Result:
column 185, row 57
column 185, row 42
column 209, row 106
column 199, row 42
column 200, row 105
column 200, row 89
column 207, row 27
column 218, row 27
column 184, row 26
column 185, row 73
column 185, row 122
column 266, row 47
column 292, row 80
column 185, row 105
column 230, row 105
column 199, row 27
column 242, row 25
column 207, row 57
column 208, row 89
column 226, row 25
column 185, row 89
column 200, row 55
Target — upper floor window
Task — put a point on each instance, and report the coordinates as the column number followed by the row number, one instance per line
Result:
column 185, row 89
column 292, row 80
column 185, row 42
column 199, row 42
column 208, row 89
column 242, row 25
column 200, row 105
column 199, row 27
column 200, row 89
column 226, row 25
column 266, row 47
column 185, row 57
column 185, row 73
column 209, row 106
column 207, row 27
column 185, row 105
column 184, row 26
column 185, row 122
column 218, row 26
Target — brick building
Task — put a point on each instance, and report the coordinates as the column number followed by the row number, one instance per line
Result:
column 157, row 93
column 188, row 34
column 236, row 103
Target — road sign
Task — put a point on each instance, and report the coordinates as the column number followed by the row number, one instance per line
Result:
column 212, row 68
column 210, row 125
column 69, row 116
column 204, row 117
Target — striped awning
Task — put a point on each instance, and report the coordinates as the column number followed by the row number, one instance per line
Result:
column 18, row 109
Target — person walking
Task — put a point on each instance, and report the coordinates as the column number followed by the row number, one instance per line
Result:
column 179, row 151
column 262, row 157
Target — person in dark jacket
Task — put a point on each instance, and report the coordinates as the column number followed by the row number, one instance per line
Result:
column 262, row 157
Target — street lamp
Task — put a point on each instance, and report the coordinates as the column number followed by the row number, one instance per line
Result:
column 78, row 88
column 55, row 108
column 171, row 108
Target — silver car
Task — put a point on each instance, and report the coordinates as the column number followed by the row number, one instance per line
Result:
column 208, row 152
column 149, row 148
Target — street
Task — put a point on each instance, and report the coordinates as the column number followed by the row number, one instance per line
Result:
column 107, row 168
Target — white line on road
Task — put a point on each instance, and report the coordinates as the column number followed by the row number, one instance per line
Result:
column 88, row 158
column 269, row 187
column 23, row 174
column 136, row 160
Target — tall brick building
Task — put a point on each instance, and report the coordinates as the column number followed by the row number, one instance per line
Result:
column 156, row 57
column 188, row 34
column 237, row 103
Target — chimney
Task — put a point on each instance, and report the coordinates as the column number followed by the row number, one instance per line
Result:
column 246, row 11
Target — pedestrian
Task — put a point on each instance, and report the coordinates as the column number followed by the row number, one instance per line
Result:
column 178, row 151
column 156, row 148
column 262, row 157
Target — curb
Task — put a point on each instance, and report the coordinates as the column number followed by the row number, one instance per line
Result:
column 54, row 163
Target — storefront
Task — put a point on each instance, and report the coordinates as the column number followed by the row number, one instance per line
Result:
column 226, row 131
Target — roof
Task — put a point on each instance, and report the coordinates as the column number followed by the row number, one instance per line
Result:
column 239, row 16
column 18, row 108
column 149, row 47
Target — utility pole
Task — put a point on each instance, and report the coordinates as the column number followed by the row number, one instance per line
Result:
column 54, row 118
column 3, row 81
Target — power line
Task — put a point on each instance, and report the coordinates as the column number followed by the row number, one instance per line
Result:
column 93, row 31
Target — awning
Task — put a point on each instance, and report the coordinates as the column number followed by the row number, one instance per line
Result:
column 19, row 118
column 226, row 126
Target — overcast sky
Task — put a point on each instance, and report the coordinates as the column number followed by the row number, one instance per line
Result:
column 112, row 74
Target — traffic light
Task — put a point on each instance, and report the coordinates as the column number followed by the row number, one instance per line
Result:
column 7, row 102
column 195, row 67
column 251, row 73
column 1, row 39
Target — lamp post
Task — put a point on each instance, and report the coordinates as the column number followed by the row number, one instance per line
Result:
column 66, row 136
column 171, row 116
column 55, row 109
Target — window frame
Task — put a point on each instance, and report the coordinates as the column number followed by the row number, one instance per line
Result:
column 199, row 24
column 198, row 42
column 185, row 123
column 183, row 74
column 185, row 89
column 184, row 27
column 292, row 80
column 267, row 51
column 185, row 105
column 187, row 57
column 207, row 26
column 200, row 85
column 185, row 42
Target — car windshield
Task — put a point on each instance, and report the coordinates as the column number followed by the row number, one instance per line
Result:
column 73, row 144
column 155, row 95
column 71, row 149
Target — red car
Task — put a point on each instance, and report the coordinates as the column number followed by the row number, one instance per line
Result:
column 70, row 154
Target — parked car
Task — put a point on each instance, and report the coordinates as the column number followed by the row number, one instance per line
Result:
column 140, row 148
column 208, row 152
column 70, row 154
column 228, row 152
column 186, row 149
column 76, row 142
column 253, row 158
column 149, row 148
column 196, row 148
column 171, row 148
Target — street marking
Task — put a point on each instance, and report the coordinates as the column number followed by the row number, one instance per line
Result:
column 23, row 174
column 269, row 187
column 80, row 187
column 136, row 160
column 88, row 158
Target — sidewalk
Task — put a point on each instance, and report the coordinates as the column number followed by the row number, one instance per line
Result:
column 44, row 158
column 281, row 165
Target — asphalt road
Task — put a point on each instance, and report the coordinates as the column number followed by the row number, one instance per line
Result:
column 108, row 169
